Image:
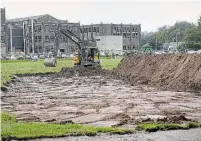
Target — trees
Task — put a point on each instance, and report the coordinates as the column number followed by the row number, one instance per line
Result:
column 183, row 31
column 169, row 34
column 199, row 22
column 192, row 38
column 149, row 38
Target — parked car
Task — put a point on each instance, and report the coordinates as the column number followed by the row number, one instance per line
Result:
column 63, row 55
column 41, row 56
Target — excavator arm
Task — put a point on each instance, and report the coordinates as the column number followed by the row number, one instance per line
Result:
column 72, row 37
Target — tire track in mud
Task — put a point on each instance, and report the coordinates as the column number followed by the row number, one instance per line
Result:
column 94, row 100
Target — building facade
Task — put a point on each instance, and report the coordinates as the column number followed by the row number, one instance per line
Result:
column 40, row 34
column 3, row 32
column 131, row 33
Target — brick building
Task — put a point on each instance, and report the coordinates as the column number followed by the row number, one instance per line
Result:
column 39, row 34
column 131, row 33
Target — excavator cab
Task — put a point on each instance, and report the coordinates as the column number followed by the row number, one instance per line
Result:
column 87, row 57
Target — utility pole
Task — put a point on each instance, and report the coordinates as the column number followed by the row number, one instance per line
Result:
column 156, row 43
column 24, row 38
column 176, row 40
column 11, row 40
column 32, row 25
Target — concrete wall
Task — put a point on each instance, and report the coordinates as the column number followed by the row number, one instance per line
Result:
column 110, row 44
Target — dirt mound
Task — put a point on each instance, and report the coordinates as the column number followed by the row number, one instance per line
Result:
column 80, row 71
column 175, row 72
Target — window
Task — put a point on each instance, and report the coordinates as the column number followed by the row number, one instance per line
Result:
column 97, row 29
column 36, row 49
column 52, row 38
column 80, row 30
column 136, row 34
column 36, row 38
column 35, row 29
column 2, row 39
column 39, row 39
column 39, row 28
column 124, row 47
column 97, row 39
column 124, row 35
column 52, row 28
column 47, row 28
column 133, row 35
column 94, row 29
column 85, row 30
column 40, row 48
column 62, row 50
column 90, row 29
column 46, row 38
column 129, row 48
column 128, row 35
column 133, row 46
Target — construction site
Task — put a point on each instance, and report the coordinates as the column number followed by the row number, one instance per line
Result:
column 143, row 88
column 129, row 90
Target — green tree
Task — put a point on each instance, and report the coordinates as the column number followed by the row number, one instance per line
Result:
column 193, row 38
column 169, row 34
column 149, row 38
column 199, row 23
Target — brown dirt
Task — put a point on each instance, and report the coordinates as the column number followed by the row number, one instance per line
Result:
column 96, row 100
column 80, row 71
column 168, row 72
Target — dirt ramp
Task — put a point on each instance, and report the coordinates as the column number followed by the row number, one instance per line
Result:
column 176, row 72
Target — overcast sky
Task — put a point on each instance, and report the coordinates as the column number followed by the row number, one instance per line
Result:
column 150, row 14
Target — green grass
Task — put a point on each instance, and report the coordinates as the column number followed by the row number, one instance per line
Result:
column 152, row 127
column 109, row 63
column 11, row 128
column 11, row 67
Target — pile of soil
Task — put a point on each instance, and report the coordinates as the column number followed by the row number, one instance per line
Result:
column 168, row 72
column 80, row 71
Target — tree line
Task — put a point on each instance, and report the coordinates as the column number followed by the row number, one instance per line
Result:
column 187, row 33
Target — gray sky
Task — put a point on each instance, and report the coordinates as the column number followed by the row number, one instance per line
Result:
column 150, row 14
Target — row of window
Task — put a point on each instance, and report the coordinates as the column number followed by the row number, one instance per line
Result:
column 115, row 29
column 129, row 47
column 125, row 29
column 128, row 35
column 47, row 39
column 90, row 29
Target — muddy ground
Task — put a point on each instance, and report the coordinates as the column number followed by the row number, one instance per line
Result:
column 95, row 100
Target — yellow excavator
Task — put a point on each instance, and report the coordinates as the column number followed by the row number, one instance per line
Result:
column 85, row 56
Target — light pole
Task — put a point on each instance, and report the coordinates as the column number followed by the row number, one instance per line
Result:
column 11, row 40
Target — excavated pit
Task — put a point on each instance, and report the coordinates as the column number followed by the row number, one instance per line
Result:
column 93, row 96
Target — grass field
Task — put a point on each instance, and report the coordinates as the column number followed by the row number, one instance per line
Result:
column 11, row 67
column 11, row 128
